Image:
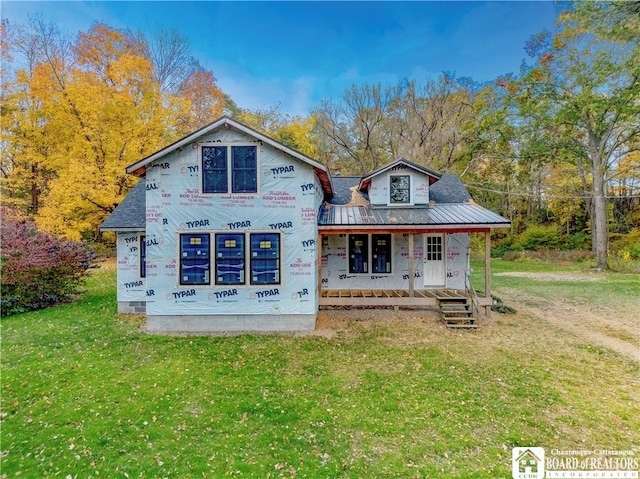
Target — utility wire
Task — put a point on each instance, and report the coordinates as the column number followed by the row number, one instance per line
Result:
column 562, row 197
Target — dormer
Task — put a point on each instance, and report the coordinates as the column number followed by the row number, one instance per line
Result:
column 401, row 183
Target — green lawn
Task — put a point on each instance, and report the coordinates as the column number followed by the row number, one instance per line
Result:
column 86, row 394
column 607, row 288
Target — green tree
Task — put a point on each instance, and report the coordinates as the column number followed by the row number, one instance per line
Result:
column 584, row 93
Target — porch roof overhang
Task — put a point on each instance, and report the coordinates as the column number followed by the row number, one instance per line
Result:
column 451, row 217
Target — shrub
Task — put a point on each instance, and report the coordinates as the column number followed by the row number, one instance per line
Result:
column 628, row 246
column 578, row 241
column 37, row 269
column 502, row 247
column 550, row 256
column 537, row 237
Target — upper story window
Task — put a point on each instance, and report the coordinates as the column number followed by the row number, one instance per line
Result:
column 229, row 168
column 399, row 189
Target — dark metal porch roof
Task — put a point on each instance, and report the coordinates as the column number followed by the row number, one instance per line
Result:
column 445, row 216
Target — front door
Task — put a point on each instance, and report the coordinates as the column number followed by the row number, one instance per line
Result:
column 434, row 267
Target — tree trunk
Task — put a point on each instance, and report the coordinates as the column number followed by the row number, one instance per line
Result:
column 599, row 221
column 34, row 189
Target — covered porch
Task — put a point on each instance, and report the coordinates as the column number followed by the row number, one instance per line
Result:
column 412, row 295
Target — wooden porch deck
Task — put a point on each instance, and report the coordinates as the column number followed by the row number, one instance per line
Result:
column 387, row 297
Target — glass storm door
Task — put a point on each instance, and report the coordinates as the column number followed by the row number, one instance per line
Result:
column 434, row 267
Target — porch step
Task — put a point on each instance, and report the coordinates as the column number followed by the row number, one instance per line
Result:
column 456, row 312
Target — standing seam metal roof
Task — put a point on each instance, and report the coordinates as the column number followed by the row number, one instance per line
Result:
column 439, row 215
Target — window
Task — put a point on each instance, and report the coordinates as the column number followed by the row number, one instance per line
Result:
column 229, row 169
column 143, row 256
column 265, row 258
column 381, row 255
column 358, row 253
column 230, row 259
column 380, row 259
column 194, row 259
column 399, row 189
column 214, row 169
column 434, row 248
column 244, row 172
column 233, row 251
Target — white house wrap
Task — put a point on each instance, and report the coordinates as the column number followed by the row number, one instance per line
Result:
column 224, row 232
column 286, row 202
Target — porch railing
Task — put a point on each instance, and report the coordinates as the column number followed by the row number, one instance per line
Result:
column 470, row 291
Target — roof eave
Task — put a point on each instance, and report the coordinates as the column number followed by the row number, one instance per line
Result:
column 434, row 174
column 123, row 229
column 461, row 228
column 139, row 168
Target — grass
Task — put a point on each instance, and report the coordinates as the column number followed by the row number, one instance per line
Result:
column 607, row 288
column 86, row 394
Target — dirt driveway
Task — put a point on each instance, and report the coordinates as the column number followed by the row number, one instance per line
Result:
column 602, row 326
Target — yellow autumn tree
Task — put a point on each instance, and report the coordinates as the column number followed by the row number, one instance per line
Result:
column 107, row 113
column 295, row 132
column 77, row 113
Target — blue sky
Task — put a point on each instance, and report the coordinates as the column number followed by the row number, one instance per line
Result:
column 293, row 54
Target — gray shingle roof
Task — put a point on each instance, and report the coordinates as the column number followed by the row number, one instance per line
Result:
column 344, row 187
column 130, row 215
column 449, row 189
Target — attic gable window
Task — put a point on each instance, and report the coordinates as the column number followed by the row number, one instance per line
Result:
column 229, row 168
column 399, row 188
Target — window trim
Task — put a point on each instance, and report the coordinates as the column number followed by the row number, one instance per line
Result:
column 409, row 199
column 370, row 252
column 229, row 168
